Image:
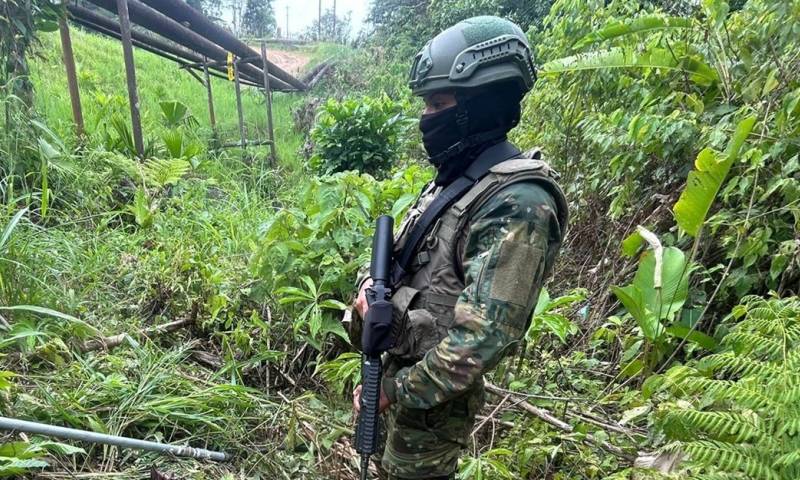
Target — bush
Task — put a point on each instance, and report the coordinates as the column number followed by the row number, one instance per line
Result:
column 363, row 134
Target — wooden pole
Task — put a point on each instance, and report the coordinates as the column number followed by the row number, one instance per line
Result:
column 334, row 21
column 268, row 94
column 130, row 72
column 287, row 22
column 319, row 21
column 210, row 95
column 72, row 77
column 238, row 89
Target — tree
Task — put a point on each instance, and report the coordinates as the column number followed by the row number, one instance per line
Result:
column 210, row 8
column 327, row 25
column 258, row 19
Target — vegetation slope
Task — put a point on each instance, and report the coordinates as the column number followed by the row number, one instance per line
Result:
column 675, row 127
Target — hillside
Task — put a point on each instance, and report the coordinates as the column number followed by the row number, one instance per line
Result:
column 200, row 296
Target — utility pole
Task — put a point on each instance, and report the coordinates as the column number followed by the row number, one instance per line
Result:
column 334, row 21
column 319, row 21
column 287, row 22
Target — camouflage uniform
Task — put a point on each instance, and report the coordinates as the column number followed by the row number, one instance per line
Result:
column 505, row 247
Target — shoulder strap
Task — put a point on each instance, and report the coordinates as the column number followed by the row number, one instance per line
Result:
column 478, row 169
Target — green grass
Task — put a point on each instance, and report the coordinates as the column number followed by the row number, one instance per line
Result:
column 101, row 78
column 89, row 259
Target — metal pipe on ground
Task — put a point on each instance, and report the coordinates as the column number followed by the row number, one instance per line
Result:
column 157, row 22
column 13, row 424
column 109, row 27
column 181, row 12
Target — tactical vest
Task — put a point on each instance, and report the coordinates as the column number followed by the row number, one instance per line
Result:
column 425, row 300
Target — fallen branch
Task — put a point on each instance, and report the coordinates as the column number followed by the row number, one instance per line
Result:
column 559, row 424
column 603, row 423
column 117, row 340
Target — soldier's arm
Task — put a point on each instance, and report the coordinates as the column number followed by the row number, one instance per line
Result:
column 510, row 237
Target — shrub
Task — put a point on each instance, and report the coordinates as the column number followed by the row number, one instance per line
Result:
column 364, row 134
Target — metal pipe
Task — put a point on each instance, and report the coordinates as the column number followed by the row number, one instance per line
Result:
column 155, row 21
column 12, row 424
column 268, row 95
column 130, row 74
column 110, row 28
column 72, row 77
column 181, row 12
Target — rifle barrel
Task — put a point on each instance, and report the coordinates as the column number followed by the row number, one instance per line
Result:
column 382, row 245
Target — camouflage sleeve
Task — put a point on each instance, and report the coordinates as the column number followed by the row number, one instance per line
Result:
column 505, row 251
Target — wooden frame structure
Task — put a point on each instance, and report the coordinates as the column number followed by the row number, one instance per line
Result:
column 179, row 33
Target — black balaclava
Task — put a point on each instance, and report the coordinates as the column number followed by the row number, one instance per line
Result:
column 454, row 137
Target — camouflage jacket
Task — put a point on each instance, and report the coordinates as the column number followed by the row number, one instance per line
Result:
column 502, row 280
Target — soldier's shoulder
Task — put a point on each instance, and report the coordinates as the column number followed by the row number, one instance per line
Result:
column 523, row 199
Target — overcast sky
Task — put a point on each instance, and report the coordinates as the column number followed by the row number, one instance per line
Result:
column 303, row 12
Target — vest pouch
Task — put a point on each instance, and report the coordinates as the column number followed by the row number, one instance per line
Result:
column 401, row 301
column 422, row 333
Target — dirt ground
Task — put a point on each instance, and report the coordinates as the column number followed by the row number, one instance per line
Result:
column 292, row 61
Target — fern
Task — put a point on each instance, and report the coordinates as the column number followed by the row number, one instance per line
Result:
column 730, row 364
column 163, row 172
column 735, row 427
column 793, row 359
column 729, row 457
column 745, row 419
column 757, row 344
column 728, row 390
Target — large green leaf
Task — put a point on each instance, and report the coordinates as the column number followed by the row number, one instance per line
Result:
column 633, row 300
column 648, row 304
column 646, row 23
column 661, row 58
column 669, row 299
column 704, row 182
column 10, row 226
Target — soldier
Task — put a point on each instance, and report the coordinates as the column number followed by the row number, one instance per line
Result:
column 470, row 286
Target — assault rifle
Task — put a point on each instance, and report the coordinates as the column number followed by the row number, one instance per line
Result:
column 376, row 338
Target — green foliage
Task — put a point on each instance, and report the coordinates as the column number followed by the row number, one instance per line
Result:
column 365, row 134
column 704, row 182
column 489, row 464
column 176, row 113
column 548, row 316
column 656, row 58
column 739, row 408
column 310, row 252
column 644, row 24
column 19, row 458
column 342, row 372
column 162, row 172
column 630, row 95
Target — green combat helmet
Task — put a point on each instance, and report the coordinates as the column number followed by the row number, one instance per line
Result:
column 474, row 53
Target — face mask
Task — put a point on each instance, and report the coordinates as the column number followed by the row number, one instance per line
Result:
column 439, row 131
